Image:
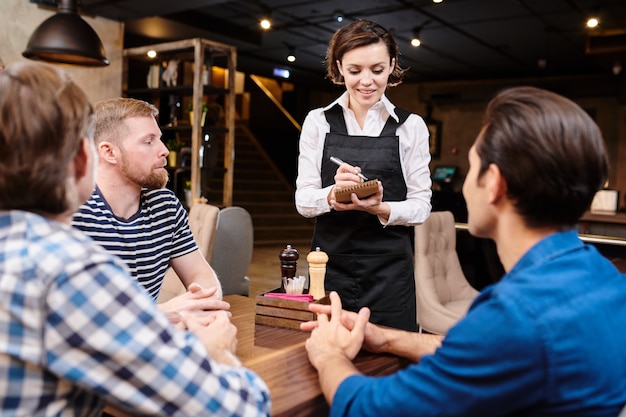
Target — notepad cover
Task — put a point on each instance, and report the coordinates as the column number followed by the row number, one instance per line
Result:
column 362, row 190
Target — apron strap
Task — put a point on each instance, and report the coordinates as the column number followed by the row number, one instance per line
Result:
column 334, row 117
column 391, row 125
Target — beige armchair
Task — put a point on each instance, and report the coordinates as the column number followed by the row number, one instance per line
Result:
column 203, row 223
column 442, row 292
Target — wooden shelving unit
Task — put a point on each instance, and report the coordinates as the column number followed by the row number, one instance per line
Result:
column 201, row 53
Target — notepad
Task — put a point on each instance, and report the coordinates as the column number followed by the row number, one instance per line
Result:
column 362, row 190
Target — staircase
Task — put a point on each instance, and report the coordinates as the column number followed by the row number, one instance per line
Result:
column 260, row 188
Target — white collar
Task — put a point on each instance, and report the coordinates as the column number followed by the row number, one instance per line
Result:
column 384, row 102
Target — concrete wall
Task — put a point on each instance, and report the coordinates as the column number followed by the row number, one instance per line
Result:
column 460, row 108
column 19, row 18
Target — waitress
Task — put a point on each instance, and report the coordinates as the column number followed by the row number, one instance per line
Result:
column 369, row 241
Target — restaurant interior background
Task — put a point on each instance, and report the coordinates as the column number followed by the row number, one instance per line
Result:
column 469, row 50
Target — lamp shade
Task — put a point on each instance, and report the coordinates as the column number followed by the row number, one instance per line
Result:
column 66, row 38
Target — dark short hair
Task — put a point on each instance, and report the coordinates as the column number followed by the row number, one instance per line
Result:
column 355, row 35
column 549, row 150
column 44, row 118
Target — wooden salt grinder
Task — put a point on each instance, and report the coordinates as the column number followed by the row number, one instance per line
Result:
column 317, row 272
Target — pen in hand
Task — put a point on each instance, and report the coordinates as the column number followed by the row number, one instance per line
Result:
column 339, row 162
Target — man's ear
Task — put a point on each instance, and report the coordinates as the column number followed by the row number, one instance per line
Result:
column 495, row 183
column 107, row 152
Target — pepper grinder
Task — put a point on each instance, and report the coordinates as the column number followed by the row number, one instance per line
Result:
column 288, row 262
column 317, row 272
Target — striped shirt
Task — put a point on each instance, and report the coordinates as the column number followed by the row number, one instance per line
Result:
column 146, row 241
column 75, row 330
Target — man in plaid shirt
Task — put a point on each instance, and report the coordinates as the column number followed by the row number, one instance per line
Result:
column 76, row 331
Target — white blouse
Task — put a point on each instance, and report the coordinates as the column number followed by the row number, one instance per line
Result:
column 311, row 198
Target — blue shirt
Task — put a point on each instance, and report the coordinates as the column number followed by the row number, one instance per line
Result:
column 147, row 240
column 75, row 330
column 548, row 340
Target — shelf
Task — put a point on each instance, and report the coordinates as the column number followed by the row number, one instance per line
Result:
column 194, row 56
column 181, row 89
column 188, row 128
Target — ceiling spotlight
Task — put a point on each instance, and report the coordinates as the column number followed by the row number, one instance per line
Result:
column 593, row 22
column 338, row 15
column 437, row 1
column 266, row 17
column 265, row 23
column 416, row 40
column 151, row 53
column 291, row 55
column 65, row 38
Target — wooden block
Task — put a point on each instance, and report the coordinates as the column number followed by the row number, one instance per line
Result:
column 278, row 312
column 282, row 303
column 277, row 322
column 284, row 313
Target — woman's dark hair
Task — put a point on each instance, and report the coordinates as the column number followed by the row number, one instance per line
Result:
column 549, row 150
column 355, row 35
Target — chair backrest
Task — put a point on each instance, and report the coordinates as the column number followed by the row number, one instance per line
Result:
column 202, row 223
column 232, row 251
column 443, row 294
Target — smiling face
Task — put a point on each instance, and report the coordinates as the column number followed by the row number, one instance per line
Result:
column 366, row 71
column 143, row 154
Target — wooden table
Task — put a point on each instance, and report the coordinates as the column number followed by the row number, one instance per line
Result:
column 279, row 357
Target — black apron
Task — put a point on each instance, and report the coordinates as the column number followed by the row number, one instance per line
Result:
column 369, row 265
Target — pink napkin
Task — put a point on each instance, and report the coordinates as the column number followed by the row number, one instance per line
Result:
column 294, row 297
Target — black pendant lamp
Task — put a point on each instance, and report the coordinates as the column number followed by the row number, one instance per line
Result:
column 66, row 38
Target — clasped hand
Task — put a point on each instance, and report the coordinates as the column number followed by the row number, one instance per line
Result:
column 198, row 301
column 219, row 337
column 330, row 338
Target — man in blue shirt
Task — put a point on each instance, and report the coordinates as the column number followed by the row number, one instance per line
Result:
column 548, row 339
column 76, row 330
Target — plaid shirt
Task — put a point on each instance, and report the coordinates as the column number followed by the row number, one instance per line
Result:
column 75, row 331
